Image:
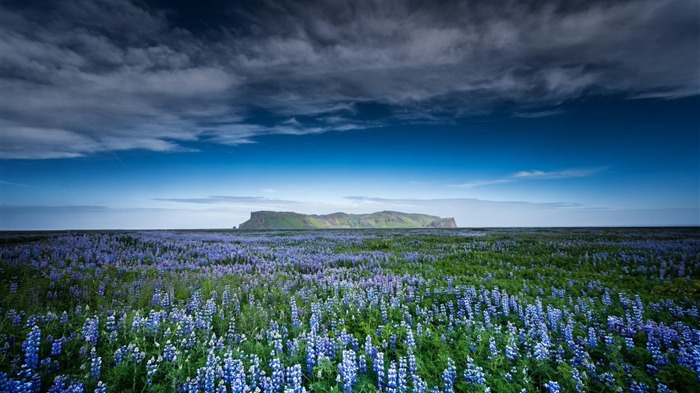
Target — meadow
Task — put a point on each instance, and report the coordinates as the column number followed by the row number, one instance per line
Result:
column 396, row 311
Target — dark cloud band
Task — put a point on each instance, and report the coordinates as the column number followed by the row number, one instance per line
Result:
column 80, row 77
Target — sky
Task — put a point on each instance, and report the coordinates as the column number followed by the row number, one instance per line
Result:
column 144, row 114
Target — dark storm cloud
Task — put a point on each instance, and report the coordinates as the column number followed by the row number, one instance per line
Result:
column 85, row 76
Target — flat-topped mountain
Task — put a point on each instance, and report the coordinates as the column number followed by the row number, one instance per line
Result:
column 384, row 219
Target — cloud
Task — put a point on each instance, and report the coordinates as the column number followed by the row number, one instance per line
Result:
column 9, row 183
column 469, row 212
column 230, row 200
column 533, row 175
column 538, row 114
column 566, row 173
column 84, row 76
column 418, row 203
column 76, row 217
column 480, row 183
column 242, row 133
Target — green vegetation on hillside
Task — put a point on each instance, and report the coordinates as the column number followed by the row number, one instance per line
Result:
column 384, row 219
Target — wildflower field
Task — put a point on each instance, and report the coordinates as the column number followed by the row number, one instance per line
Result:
column 523, row 310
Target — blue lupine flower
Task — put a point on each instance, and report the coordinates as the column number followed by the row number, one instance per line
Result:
column 101, row 387
column 277, row 376
column 449, row 375
column 95, row 364
column 592, row 338
column 295, row 313
column 552, row 387
column 151, row 369
column 293, row 379
column 473, row 374
column 402, row 375
column 378, row 368
column 31, row 349
column 60, row 383
column 638, row 387
column 210, row 372
column 577, row 377
column 169, row 352
column 493, row 350
column 348, row 370
column 391, row 378
column 311, row 352
column 90, row 330
column 661, row 388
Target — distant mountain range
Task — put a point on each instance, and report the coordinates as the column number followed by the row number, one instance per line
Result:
column 384, row 219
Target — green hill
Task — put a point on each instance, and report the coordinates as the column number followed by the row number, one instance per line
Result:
column 384, row 219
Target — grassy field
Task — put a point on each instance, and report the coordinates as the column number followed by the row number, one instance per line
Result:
column 454, row 310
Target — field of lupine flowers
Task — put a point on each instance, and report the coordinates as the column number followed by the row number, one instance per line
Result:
column 396, row 311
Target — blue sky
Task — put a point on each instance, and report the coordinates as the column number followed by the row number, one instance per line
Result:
column 151, row 115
